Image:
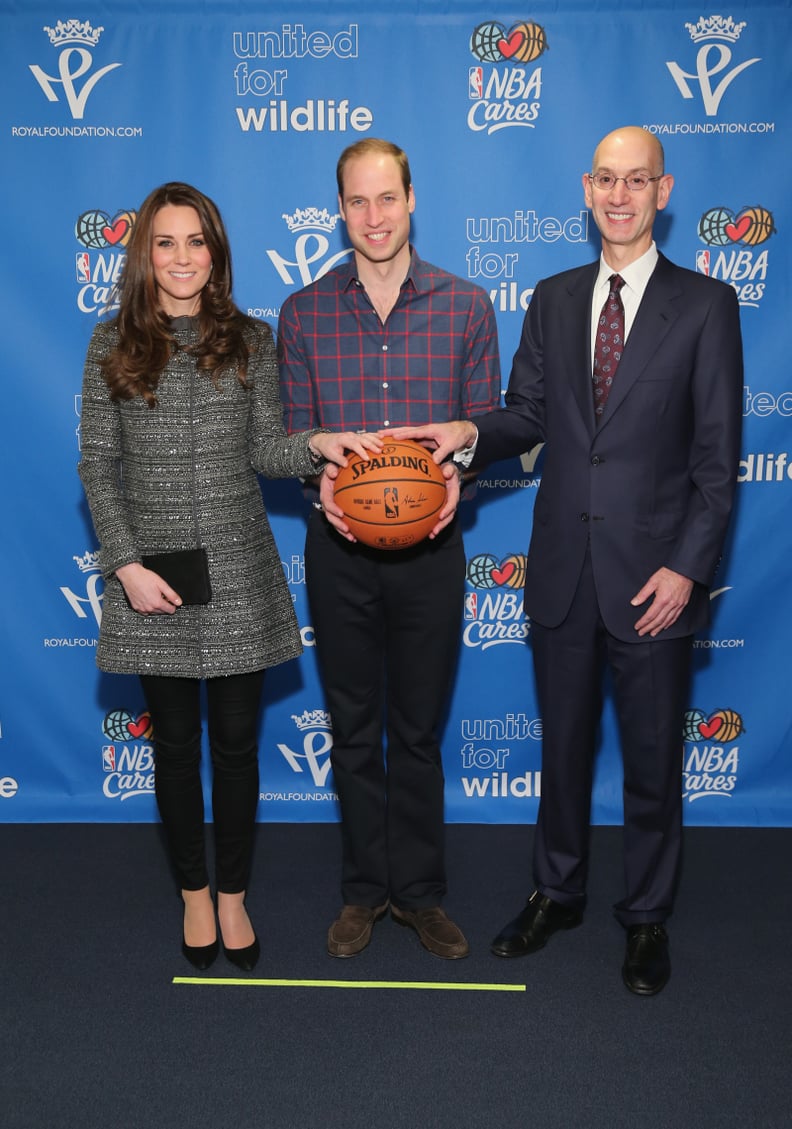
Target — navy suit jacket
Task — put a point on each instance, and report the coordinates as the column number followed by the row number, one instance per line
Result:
column 653, row 483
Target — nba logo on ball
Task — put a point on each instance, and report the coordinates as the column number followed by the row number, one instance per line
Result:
column 392, row 499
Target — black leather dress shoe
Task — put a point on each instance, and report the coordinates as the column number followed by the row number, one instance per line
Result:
column 647, row 965
column 531, row 929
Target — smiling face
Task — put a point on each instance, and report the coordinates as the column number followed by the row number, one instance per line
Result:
column 625, row 218
column 376, row 209
column 180, row 259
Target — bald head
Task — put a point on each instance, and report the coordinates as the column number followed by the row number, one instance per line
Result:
column 633, row 140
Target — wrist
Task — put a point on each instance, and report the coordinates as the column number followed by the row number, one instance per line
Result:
column 315, row 455
column 470, row 438
column 130, row 566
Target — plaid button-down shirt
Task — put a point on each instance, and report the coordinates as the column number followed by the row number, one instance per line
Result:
column 434, row 359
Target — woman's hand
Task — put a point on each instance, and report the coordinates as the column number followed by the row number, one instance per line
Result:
column 332, row 445
column 146, row 591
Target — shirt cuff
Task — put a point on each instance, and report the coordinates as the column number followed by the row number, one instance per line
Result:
column 464, row 457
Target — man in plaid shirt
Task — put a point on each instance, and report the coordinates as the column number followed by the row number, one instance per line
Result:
column 381, row 341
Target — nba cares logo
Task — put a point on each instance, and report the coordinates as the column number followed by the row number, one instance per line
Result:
column 735, row 251
column 96, row 229
column 723, row 726
column 73, row 37
column 522, row 43
column 711, row 762
column 486, row 571
column 493, row 612
column 121, row 725
column 719, row 227
column 128, row 761
column 505, row 97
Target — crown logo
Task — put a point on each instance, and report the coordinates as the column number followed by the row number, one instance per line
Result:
column 305, row 218
column 89, row 562
column 715, row 27
column 73, row 31
column 311, row 719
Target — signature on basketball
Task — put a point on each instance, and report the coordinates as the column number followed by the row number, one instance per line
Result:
column 409, row 499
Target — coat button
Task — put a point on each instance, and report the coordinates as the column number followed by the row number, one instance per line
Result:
column 584, row 517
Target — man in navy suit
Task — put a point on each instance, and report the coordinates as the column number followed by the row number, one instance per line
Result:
column 628, row 529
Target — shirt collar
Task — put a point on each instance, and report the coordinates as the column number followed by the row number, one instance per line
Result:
column 416, row 274
column 636, row 275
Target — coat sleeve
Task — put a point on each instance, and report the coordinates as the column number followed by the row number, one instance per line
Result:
column 273, row 453
column 716, row 393
column 520, row 425
column 100, row 460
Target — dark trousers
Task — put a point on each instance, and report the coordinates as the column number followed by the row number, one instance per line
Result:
column 233, row 714
column 650, row 683
column 387, row 636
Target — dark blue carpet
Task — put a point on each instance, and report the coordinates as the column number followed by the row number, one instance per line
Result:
column 94, row 1033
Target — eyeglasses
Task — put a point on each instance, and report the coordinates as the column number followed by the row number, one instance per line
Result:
column 636, row 181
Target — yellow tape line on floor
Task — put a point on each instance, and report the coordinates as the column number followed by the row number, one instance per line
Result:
column 229, row 980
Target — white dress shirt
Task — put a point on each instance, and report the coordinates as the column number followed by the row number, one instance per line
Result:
column 636, row 276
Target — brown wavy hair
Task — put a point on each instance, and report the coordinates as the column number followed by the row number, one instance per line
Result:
column 145, row 339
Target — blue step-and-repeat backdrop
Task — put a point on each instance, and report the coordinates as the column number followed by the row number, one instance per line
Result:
column 499, row 109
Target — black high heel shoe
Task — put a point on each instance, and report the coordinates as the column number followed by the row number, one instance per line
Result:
column 201, row 956
column 245, row 959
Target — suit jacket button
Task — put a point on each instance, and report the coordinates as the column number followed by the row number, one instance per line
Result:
column 584, row 517
column 596, row 460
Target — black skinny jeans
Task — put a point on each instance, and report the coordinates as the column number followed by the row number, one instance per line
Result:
column 234, row 704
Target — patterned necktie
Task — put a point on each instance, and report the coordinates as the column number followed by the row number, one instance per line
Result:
column 609, row 344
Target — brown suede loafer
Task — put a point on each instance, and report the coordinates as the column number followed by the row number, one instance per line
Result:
column 436, row 930
column 351, row 931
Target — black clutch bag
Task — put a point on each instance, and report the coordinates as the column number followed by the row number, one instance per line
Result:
column 187, row 572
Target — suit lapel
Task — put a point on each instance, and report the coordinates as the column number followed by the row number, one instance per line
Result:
column 578, row 313
column 657, row 312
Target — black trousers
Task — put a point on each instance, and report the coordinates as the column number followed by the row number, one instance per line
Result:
column 387, row 636
column 233, row 714
column 650, row 684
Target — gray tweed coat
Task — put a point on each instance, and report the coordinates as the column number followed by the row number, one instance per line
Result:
column 183, row 473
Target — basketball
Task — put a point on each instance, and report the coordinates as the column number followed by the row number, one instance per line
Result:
column 712, row 227
column 392, row 500
column 761, row 226
column 533, row 44
column 484, row 42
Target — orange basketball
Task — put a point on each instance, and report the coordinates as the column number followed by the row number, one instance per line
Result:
column 392, row 500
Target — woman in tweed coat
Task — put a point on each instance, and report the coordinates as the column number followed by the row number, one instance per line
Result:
column 180, row 409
